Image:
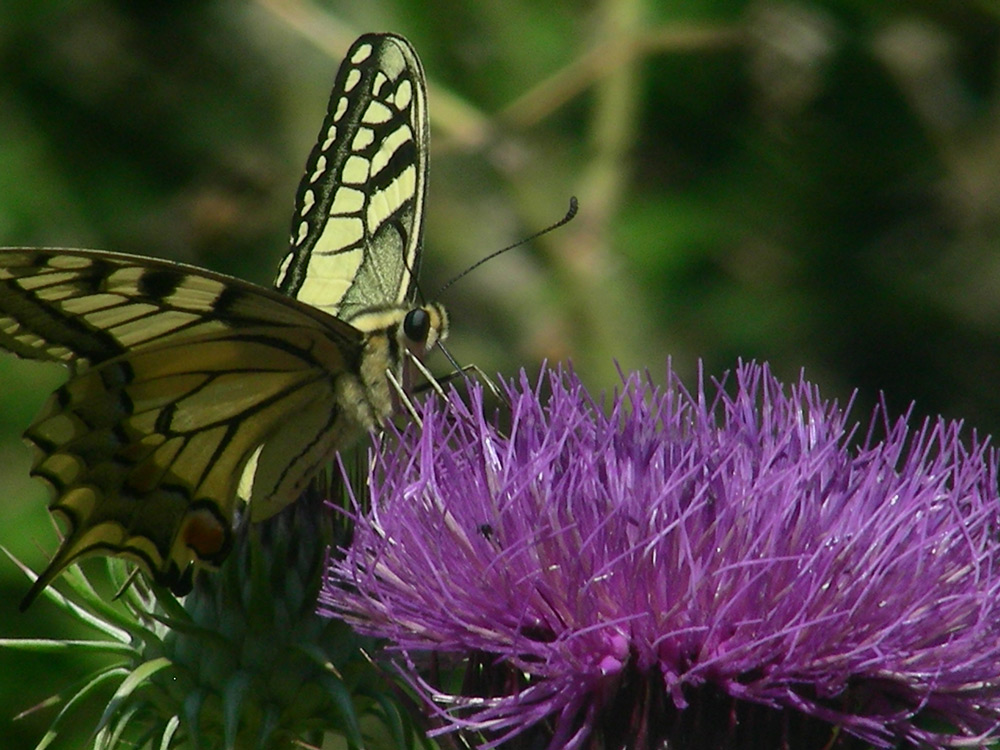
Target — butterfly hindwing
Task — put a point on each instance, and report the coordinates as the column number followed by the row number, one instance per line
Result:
column 356, row 231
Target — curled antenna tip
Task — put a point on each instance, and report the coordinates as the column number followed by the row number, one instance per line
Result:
column 573, row 206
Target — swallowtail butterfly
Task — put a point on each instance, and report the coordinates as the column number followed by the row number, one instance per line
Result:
column 191, row 392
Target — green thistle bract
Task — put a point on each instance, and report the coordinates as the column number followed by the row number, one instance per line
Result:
column 242, row 662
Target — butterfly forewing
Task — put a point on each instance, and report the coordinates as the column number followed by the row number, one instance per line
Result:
column 85, row 307
column 356, row 230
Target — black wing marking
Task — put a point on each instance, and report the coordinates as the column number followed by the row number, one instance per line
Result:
column 358, row 223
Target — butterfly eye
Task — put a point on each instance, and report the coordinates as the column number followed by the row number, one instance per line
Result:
column 417, row 324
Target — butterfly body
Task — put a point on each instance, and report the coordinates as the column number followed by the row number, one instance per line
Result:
column 192, row 392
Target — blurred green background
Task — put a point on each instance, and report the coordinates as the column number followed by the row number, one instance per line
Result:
column 812, row 184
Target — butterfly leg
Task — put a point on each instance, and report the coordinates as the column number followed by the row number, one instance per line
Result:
column 404, row 397
column 463, row 372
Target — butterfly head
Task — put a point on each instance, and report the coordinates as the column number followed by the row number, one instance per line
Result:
column 423, row 328
column 416, row 330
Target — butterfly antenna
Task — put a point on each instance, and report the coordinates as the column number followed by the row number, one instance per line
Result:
column 573, row 206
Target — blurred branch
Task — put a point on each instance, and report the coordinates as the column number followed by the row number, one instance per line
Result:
column 595, row 289
column 451, row 116
column 606, row 57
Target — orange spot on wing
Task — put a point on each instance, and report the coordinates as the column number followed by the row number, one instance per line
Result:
column 206, row 535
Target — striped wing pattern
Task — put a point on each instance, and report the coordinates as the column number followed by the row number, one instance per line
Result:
column 356, row 230
column 191, row 391
column 180, row 376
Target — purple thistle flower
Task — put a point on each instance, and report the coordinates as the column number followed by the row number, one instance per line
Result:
column 687, row 570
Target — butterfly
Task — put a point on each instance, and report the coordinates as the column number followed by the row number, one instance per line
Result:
column 191, row 392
